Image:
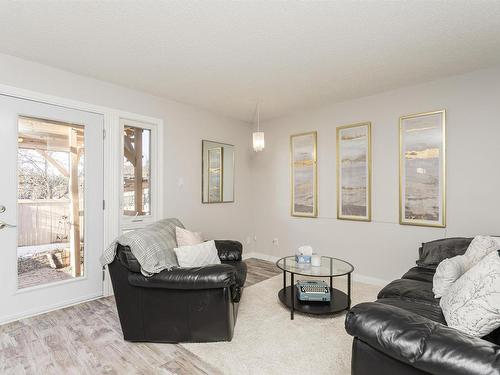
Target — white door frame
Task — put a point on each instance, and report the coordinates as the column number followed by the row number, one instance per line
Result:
column 112, row 169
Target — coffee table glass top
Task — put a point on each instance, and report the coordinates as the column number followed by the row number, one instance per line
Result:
column 329, row 267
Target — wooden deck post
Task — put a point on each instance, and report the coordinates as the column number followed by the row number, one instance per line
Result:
column 75, row 250
column 138, row 170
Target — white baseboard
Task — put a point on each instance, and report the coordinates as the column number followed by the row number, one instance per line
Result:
column 47, row 308
column 261, row 256
column 369, row 280
column 355, row 276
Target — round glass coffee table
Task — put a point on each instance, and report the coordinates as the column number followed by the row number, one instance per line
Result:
column 329, row 268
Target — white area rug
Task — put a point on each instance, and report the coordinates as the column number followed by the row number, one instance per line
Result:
column 266, row 341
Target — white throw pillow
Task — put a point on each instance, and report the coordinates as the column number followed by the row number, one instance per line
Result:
column 480, row 247
column 472, row 304
column 186, row 238
column 198, row 255
column 447, row 272
column 497, row 239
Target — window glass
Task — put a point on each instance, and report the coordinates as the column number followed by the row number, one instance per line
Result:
column 51, row 201
column 136, row 171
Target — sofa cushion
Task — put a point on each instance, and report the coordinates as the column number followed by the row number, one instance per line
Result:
column 419, row 273
column 447, row 272
column 433, row 252
column 185, row 237
column 472, row 304
column 127, row 259
column 199, row 255
column 480, row 247
column 431, row 311
column 411, row 289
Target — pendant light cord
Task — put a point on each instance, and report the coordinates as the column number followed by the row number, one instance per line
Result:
column 258, row 116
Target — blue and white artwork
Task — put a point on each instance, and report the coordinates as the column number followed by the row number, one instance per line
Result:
column 303, row 155
column 422, row 169
column 354, row 172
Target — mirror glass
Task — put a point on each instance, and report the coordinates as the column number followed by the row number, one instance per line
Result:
column 217, row 172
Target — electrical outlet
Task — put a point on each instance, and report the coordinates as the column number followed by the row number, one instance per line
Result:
column 276, row 242
column 248, row 240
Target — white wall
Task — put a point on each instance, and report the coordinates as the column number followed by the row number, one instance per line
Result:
column 185, row 127
column 383, row 248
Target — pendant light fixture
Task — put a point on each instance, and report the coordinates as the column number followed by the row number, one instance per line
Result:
column 258, row 136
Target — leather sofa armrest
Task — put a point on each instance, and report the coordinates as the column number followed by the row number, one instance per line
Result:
column 421, row 342
column 229, row 250
column 207, row 277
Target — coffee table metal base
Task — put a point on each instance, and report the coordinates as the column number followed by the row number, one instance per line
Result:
column 338, row 303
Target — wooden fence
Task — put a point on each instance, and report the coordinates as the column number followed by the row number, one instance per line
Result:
column 43, row 222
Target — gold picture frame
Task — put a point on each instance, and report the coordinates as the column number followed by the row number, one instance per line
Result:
column 304, row 175
column 215, row 174
column 422, row 169
column 354, row 176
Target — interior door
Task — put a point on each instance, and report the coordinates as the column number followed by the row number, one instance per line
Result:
column 51, row 207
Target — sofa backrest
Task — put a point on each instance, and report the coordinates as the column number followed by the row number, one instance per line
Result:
column 127, row 259
column 433, row 252
column 149, row 249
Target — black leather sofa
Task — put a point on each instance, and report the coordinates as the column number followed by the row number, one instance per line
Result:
column 197, row 304
column 404, row 332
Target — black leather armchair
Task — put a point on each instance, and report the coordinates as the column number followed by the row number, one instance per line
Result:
column 404, row 331
column 196, row 304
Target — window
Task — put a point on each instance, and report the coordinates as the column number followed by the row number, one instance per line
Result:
column 139, row 173
column 136, row 171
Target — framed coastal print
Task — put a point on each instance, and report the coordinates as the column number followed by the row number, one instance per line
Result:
column 422, row 169
column 354, row 172
column 215, row 170
column 304, row 175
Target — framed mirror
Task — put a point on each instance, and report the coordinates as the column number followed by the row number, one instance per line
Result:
column 217, row 172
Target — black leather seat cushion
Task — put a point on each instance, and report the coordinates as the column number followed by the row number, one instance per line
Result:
column 241, row 271
column 431, row 311
column 411, row 289
column 419, row 273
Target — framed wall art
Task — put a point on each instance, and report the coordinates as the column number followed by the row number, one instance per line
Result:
column 354, row 172
column 422, row 169
column 215, row 171
column 303, row 159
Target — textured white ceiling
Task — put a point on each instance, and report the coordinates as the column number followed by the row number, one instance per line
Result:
column 225, row 56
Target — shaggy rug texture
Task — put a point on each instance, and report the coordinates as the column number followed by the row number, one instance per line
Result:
column 266, row 341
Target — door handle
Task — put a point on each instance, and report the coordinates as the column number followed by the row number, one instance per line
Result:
column 5, row 225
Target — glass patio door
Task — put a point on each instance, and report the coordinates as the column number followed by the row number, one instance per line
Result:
column 51, row 210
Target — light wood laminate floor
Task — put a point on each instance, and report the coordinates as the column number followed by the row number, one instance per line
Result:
column 87, row 339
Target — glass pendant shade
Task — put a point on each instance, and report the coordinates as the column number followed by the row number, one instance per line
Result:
column 258, row 141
